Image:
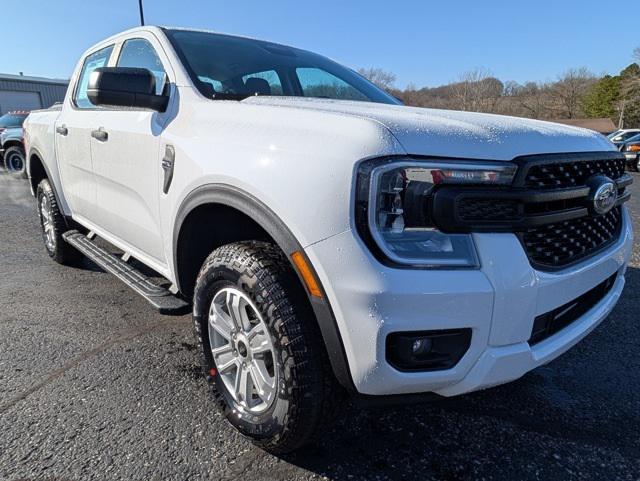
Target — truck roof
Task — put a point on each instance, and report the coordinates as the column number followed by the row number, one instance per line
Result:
column 157, row 29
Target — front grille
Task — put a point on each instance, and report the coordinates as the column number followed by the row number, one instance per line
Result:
column 550, row 207
column 549, row 323
column 560, row 175
column 558, row 245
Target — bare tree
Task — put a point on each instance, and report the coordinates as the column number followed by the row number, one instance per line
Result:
column 629, row 93
column 534, row 99
column 477, row 90
column 381, row 78
column 636, row 54
column 569, row 91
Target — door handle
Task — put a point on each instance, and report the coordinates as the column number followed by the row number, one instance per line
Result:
column 100, row 135
column 62, row 130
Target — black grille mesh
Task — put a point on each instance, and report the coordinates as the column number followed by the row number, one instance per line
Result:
column 557, row 245
column 571, row 174
column 470, row 209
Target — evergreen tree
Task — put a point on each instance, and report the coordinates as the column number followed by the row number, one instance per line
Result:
column 602, row 99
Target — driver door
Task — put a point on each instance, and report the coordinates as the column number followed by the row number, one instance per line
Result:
column 127, row 157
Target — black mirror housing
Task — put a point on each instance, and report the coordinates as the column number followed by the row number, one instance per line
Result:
column 125, row 87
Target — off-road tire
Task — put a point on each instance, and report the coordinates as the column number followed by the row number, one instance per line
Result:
column 62, row 252
column 8, row 155
column 307, row 391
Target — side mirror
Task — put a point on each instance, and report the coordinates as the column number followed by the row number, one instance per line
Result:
column 125, row 87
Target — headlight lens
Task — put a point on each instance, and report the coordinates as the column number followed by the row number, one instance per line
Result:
column 393, row 209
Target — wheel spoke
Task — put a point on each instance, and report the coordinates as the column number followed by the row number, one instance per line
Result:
column 255, row 331
column 226, row 367
column 223, row 355
column 243, row 386
column 262, row 381
column 237, row 307
column 259, row 340
column 220, row 321
column 44, row 209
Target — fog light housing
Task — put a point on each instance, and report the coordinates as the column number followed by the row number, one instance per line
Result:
column 427, row 350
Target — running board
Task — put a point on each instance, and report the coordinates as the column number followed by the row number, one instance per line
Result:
column 159, row 297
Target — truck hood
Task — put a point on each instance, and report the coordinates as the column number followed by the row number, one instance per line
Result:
column 10, row 133
column 449, row 133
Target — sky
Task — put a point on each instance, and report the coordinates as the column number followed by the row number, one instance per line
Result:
column 423, row 42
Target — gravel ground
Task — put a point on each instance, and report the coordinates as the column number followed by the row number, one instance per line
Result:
column 95, row 385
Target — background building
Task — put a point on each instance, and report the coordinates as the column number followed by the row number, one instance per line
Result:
column 604, row 126
column 19, row 92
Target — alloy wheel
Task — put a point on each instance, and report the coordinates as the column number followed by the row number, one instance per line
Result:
column 242, row 350
column 48, row 229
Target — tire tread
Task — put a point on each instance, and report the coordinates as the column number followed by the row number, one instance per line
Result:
column 311, row 387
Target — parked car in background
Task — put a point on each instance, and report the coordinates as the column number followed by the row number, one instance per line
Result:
column 631, row 151
column 12, row 119
column 622, row 135
column 12, row 151
column 11, row 141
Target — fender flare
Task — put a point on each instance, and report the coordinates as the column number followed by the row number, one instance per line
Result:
column 35, row 152
column 249, row 205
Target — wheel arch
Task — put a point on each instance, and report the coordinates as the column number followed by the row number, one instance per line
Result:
column 36, row 169
column 223, row 199
column 12, row 143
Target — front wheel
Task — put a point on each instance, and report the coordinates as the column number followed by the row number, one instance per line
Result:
column 260, row 346
column 53, row 225
column 14, row 161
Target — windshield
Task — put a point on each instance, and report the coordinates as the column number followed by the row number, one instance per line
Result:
column 226, row 67
column 621, row 137
column 634, row 138
column 12, row 120
column 613, row 134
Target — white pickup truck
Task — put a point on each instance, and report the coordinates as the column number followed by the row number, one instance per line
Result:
column 328, row 239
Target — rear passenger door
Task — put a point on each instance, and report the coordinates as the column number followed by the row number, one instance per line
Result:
column 127, row 160
column 73, row 134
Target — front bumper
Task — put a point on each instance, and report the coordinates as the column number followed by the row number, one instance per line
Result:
column 631, row 159
column 498, row 302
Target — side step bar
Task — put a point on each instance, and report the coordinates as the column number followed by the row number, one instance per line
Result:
column 159, row 297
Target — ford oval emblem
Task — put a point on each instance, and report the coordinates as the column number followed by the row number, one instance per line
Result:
column 604, row 194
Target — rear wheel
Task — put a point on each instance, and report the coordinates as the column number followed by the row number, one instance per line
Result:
column 261, row 349
column 14, row 161
column 53, row 225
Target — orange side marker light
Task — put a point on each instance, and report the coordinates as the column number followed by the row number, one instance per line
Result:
column 306, row 273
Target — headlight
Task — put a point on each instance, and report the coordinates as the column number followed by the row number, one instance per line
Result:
column 393, row 209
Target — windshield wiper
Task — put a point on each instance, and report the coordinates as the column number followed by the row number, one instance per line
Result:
column 234, row 96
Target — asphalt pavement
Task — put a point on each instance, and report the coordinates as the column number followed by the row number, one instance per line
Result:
column 94, row 385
